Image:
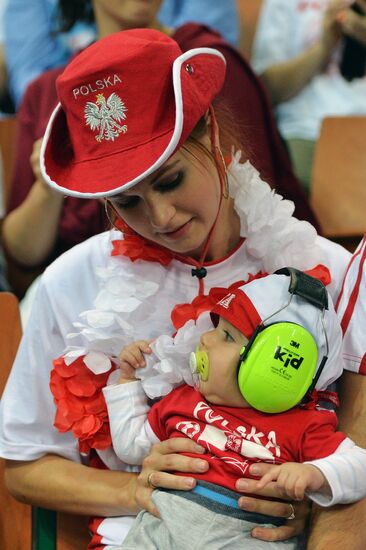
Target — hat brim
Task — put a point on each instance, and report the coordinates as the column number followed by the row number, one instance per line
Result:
column 113, row 174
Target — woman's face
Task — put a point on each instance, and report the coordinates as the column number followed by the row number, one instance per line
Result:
column 177, row 205
column 129, row 13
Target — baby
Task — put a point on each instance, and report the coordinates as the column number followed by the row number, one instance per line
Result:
column 254, row 399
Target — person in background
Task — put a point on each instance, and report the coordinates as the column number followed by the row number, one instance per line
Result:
column 191, row 216
column 41, row 224
column 297, row 51
column 33, row 43
column 220, row 16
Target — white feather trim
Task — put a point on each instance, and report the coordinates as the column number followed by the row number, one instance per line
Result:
column 168, row 366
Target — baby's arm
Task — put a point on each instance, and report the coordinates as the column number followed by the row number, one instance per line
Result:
column 294, row 479
column 132, row 436
column 343, row 472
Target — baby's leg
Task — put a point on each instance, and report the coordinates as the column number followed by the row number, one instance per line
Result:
column 186, row 524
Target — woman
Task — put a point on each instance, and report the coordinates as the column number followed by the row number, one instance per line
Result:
column 135, row 125
column 41, row 224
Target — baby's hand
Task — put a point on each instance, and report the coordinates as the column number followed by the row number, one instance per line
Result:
column 132, row 357
column 293, row 479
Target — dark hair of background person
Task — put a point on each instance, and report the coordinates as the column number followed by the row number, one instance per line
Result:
column 73, row 11
column 353, row 61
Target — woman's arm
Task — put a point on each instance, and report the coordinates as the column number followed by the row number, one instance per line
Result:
column 30, row 230
column 330, row 528
column 59, row 484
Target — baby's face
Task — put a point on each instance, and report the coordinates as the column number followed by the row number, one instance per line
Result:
column 223, row 345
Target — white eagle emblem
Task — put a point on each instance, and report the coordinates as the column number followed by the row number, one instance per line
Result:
column 105, row 114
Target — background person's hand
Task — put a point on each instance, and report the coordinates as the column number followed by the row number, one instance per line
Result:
column 354, row 24
column 166, row 457
column 279, row 507
column 34, row 160
column 332, row 28
column 39, row 183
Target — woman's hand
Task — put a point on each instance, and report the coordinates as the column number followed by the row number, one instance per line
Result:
column 163, row 458
column 297, row 511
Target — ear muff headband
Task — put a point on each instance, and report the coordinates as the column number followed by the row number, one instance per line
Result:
column 277, row 367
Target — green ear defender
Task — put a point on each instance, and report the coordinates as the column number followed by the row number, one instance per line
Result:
column 277, row 366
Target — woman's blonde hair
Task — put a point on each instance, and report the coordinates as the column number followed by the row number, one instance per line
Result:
column 230, row 134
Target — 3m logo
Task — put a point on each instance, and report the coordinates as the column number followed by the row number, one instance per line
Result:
column 225, row 302
column 287, row 358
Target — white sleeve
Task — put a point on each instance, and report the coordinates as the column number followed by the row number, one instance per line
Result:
column 345, row 471
column 351, row 310
column 131, row 432
column 27, row 409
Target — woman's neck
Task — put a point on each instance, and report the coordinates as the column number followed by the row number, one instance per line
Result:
column 226, row 234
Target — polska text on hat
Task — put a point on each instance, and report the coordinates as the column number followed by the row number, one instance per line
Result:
column 106, row 82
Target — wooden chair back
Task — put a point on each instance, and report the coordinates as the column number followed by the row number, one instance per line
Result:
column 338, row 188
column 7, row 141
column 18, row 277
column 15, row 517
column 20, row 527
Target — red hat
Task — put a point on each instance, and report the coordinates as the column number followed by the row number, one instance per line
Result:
column 127, row 103
column 238, row 309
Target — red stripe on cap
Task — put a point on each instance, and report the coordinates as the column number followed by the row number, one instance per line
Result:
column 237, row 309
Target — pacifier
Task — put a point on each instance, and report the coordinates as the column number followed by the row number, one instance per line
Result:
column 198, row 362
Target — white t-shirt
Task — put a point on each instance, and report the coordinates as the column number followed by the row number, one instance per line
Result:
column 285, row 29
